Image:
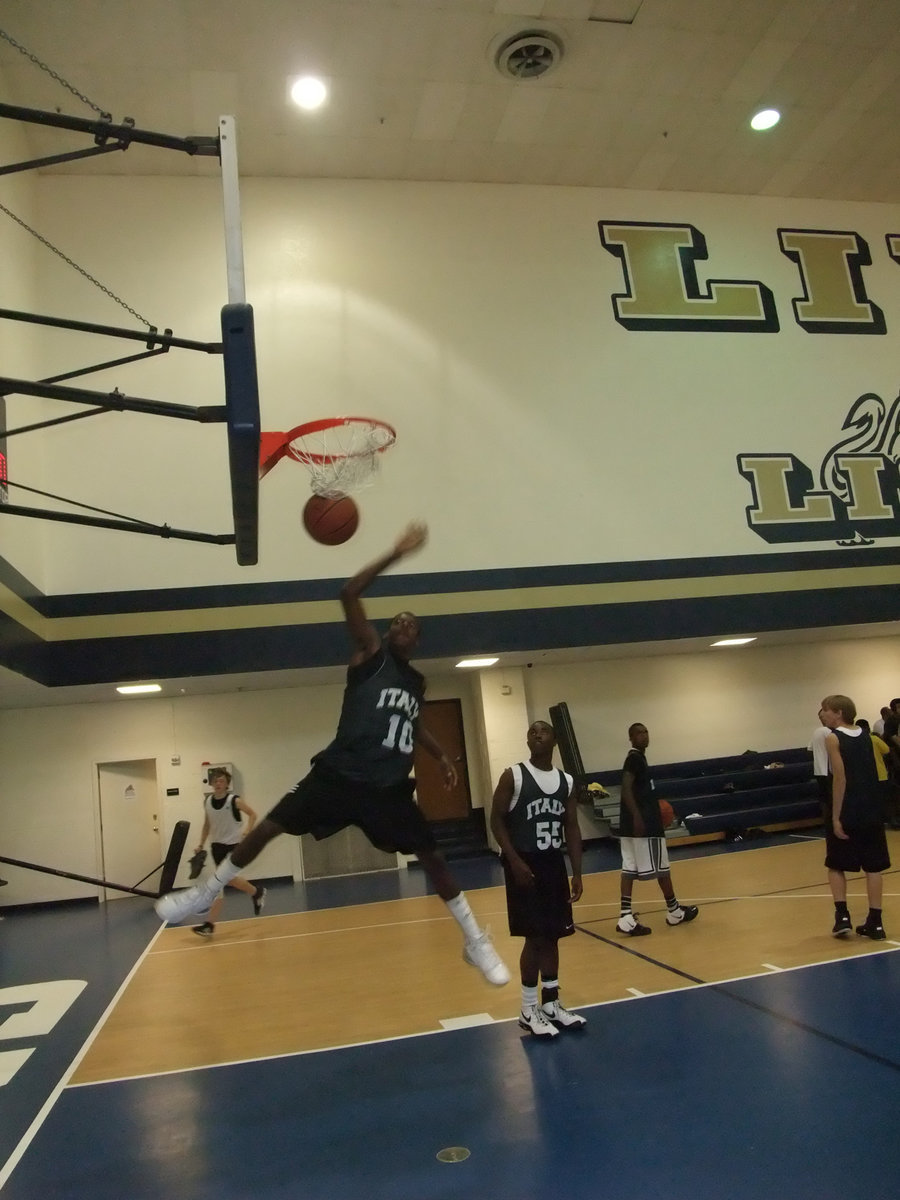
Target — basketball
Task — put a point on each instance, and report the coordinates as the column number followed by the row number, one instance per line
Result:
column 667, row 812
column 330, row 520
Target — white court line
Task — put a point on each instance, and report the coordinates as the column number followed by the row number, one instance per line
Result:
column 402, row 1037
column 771, row 967
column 635, row 992
column 192, row 948
column 468, row 1022
column 28, row 1136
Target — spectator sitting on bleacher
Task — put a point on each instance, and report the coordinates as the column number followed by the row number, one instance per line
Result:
column 643, row 840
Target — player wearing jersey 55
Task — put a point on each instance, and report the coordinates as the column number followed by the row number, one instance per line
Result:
column 533, row 818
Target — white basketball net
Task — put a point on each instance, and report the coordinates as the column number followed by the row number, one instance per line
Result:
column 344, row 458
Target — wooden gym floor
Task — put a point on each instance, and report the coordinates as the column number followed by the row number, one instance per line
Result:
column 356, row 1034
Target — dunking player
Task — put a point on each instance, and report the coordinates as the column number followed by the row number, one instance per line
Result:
column 363, row 778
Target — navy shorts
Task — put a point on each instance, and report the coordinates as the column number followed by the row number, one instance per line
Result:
column 865, row 850
column 544, row 910
column 324, row 803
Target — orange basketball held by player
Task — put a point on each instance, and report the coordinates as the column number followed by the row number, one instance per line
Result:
column 667, row 812
column 330, row 520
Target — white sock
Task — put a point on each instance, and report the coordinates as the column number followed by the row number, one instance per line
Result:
column 224, row 873
column 459, row 907
column 529, row 997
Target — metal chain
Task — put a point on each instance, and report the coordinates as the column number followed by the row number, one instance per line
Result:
column 53, row 75
column 81, row 271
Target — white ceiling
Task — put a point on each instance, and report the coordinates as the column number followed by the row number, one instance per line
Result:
column 648, row 94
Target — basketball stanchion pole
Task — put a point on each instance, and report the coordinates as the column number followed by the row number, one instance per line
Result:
column 169, row 868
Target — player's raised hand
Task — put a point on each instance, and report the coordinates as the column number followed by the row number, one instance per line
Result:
column 413, row 537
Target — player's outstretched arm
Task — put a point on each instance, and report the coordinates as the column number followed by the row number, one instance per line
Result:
column 363, row 633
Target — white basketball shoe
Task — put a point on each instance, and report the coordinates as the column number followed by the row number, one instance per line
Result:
column 480, row 953
column 193, row 902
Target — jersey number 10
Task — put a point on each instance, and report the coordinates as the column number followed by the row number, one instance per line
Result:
column 403, row 727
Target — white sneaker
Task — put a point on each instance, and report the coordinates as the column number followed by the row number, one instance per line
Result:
column 177, row 906
column 555, row 1012
column 686, row 912
column 481, row 954
column 628, row 923
column 535, row 1020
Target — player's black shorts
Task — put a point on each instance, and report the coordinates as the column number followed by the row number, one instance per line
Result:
column 864, row 850
column 544, row 910
column 324, row 803
column 221, row 850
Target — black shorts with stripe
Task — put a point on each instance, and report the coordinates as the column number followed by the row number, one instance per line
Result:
column 544, row 909
column 324, row 803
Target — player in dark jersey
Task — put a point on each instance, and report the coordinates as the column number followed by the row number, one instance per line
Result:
column 856, row 840
column 533, row 817
column 642, row 839
column 363, row 777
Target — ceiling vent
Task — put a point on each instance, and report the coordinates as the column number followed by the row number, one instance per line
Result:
column 528, row 55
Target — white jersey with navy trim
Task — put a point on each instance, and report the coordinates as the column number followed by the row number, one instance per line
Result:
column 223, row 828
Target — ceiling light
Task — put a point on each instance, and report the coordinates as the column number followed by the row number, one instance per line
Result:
column 308, row 92
column 138, row 689
column 765, row 118
column 734, row 641
column 477, row 662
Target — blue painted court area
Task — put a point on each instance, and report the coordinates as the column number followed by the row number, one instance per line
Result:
column 96, row 943
column 783, row 1085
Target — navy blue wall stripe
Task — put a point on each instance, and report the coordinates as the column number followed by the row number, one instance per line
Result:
column 216, row 652
column 294, row 591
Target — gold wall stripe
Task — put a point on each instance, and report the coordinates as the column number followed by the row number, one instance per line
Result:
column 200, row 620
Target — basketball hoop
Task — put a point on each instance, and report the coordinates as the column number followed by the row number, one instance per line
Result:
column 340, row 453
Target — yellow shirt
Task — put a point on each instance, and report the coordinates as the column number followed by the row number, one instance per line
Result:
column 881, row 753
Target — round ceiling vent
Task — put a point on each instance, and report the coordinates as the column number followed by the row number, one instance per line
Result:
column 528, row 55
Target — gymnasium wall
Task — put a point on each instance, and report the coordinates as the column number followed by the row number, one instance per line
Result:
column 49, row 804
column 567, row 385
column 719, row 702
column 21, row 544
column 696, row 705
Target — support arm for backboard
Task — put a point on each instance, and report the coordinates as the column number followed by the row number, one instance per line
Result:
column 163, row 531
column 241, row 409
column 115, row 401
column 124, row 133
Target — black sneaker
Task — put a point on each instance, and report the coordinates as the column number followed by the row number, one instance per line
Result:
column 205, row 930
column 682, row 914
column 842, row 925
column 875, row 932
column 631, row 925
column 259, row 900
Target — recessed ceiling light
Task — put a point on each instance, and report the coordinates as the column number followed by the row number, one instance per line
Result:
column 308, row 92
column 734, row 641
column 477, row 662
column 765, row 118
column 138, row 689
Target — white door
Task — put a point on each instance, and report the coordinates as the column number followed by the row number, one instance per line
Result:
column 129, row 824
